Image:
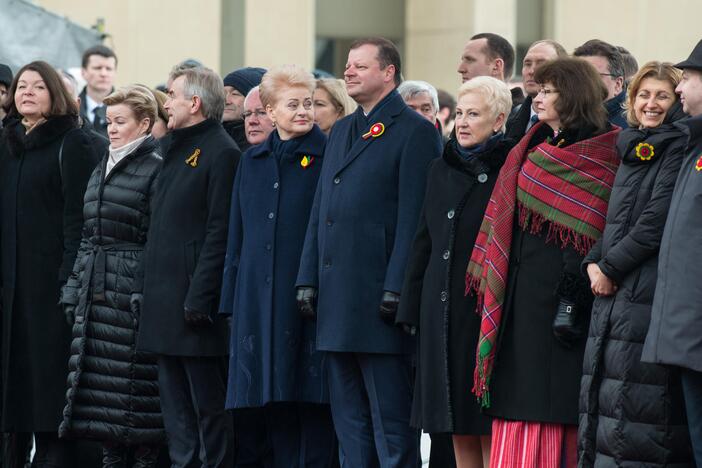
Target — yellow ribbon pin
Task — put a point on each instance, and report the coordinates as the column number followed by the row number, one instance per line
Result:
column 192, row 159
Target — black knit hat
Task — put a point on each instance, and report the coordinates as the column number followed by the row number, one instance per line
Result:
column 244, row 79
column 694, row 61
column 5, row 75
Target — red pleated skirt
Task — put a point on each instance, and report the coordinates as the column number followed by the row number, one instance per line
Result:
column 522, row 444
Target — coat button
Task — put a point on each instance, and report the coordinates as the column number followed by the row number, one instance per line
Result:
column 337, row 180
column 444, row 296
column 271, row 215
column 450, row 214
column 446, row 255
column 276, row 185
column 327, row 263
column 482, row 178
column 268, row 280
column 330, row 222
column 268, row 247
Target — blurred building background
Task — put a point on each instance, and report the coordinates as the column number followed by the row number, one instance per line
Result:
column 149, row 36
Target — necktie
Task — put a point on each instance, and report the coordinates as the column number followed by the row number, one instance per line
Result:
column 100, row 116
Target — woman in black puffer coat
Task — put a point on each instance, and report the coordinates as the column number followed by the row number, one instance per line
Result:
column 113, row 390
column 631, row 413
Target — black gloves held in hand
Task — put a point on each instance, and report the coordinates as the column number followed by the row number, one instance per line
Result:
column 135, row 302
column 388, row 307
column 564, row 324
column 197, row 319
column 307, row 301
column 69, row 310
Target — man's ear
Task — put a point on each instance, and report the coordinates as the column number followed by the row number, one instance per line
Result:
column 196, row 104
column 498, row 67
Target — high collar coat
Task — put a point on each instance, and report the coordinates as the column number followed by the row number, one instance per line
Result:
column 273, row 356
column 184, row 254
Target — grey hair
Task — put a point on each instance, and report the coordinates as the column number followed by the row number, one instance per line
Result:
column 205, row 84
column 411, row 88
column 495, row 92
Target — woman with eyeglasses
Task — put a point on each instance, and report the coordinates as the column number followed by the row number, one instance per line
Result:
column 626, row 404
column 273, row 361
column 546, row 211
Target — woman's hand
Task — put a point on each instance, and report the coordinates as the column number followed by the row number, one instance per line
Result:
column 600, row 284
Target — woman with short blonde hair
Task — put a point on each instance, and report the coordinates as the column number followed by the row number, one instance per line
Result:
column 275, row 370
column 331, row 103
column 111, row 386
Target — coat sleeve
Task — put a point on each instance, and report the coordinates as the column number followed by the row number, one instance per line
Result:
column 233, row 255
column 644, row 238
column 69, row 292
column 308, row 273
column 138, row 283
column 206, row 282
column 423, row 146
column 411, row 297
column 593, row 256
column 77, row 162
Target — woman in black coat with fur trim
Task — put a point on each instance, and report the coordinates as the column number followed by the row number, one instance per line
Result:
column 45, row 163
column 433, row 298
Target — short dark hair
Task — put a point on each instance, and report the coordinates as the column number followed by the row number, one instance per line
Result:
column 581, row 93
column 598, row 48
column 447, row 100
column 62, row 103
column 498, row 47
column 631, row 66
column 100, row 50
column 387, row 54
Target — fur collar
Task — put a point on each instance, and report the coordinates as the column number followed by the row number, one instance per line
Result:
column 44, row 134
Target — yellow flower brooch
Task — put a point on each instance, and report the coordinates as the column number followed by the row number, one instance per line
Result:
column 644, row 151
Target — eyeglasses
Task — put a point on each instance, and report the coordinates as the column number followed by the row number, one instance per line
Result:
column 258, row 113
column 547, row 92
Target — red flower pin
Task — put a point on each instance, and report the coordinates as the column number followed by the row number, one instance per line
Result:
column 698, row 164
column 375, row 131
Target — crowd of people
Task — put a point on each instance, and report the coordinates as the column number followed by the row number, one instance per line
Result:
column 277, row 269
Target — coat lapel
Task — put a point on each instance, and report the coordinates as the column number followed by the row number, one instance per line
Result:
column 386, row 115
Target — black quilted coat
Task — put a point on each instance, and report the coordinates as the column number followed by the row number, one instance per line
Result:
column 113, row 390
column 631, row 413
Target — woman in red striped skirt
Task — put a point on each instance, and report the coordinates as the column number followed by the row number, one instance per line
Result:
column 547, row 209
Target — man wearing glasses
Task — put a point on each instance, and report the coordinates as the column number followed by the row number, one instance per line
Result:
column 237, row 85
column 609, row 63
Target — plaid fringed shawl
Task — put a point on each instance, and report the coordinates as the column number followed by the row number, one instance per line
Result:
column 569, row 189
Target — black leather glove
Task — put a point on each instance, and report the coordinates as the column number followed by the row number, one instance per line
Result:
column 69, row 310
column 388, row 307
column 564, row 324
column 407, row 328
column 307, row 301
column 197, row 319
column 135, row 302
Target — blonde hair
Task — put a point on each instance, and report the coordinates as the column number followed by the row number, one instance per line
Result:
column 285, row 76
column 336, row 89
column 494, row 91
column 139, row 99
column 664, row 71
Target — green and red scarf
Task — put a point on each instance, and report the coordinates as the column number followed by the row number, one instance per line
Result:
column 569, row 189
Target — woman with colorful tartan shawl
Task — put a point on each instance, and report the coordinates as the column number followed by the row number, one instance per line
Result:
column 632, row 413
column 546, row 211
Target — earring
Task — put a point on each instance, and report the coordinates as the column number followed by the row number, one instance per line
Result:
column 273, row 124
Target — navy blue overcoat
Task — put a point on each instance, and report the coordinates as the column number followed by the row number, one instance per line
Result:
column 363, row 222
column 272, row 349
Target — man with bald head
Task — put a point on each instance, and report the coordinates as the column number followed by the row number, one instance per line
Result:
column 538, row 53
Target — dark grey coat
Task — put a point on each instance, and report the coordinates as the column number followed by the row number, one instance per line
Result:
column 675, row 334
column 113, row 390
column 631, row 412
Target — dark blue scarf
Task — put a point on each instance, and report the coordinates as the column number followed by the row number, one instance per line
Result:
column 472, row 151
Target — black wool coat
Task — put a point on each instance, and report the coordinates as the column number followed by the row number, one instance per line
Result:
column 113, row 389
column 42, row 211
column 433, row 295
column 535, row 377
column 184, row 255
column 632, row 412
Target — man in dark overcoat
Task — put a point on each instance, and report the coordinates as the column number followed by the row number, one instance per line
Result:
column 675, row 334
column 184, row 258
column 361, row 228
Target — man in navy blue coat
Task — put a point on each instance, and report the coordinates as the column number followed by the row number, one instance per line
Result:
column 361, row 228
